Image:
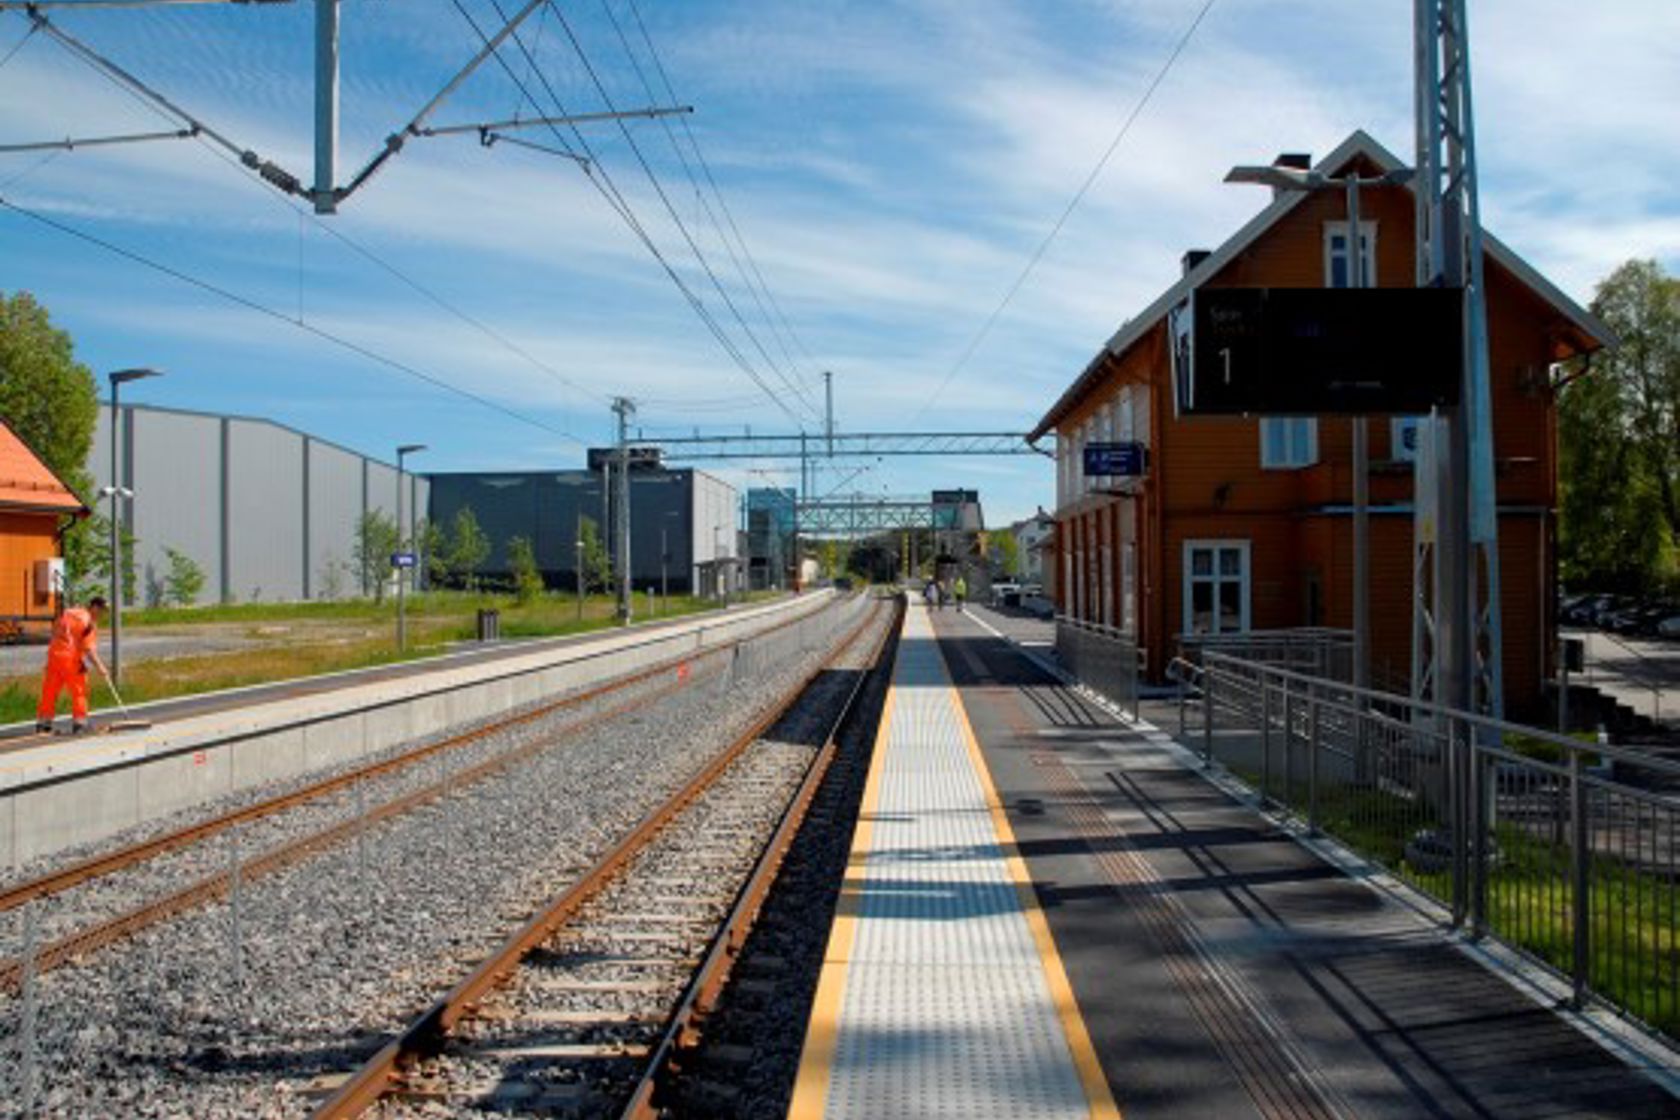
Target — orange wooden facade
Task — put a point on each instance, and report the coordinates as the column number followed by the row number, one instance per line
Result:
column 1121, row 556
column 35, row 506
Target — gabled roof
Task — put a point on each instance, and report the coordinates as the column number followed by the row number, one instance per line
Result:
column 1358, row 144
column 29, row 484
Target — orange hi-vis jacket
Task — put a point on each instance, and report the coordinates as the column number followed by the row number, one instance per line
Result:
column 73, row 637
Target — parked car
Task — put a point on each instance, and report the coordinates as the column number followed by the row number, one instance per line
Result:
column 1607, row 607
column 1006, row 593
column 1669, row 627
column 1582, row 610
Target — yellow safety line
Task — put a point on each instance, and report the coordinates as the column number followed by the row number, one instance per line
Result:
column 816, row 1062
column 1097, row 1093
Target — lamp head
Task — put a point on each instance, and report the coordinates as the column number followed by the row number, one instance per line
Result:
column 1278, row 178
column 123, row 376
column 410, row 448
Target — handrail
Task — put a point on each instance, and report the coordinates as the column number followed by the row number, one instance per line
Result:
column 1430, row 707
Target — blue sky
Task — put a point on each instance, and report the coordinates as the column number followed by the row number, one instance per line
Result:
column 891, row 167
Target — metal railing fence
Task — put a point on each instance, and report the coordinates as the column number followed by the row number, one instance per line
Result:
column 1561, row 849
column 1106, row 659
column 1320, row 651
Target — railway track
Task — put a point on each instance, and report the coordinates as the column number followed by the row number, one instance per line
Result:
column 399, row 783
column 588, row 1005
column 311, row 954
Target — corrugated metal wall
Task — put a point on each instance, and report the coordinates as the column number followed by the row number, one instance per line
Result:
column 265, row 511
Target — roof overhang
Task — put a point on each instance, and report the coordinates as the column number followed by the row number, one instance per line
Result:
column 1585, row 335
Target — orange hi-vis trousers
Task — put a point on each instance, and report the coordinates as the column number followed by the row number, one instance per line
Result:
column 62, row 673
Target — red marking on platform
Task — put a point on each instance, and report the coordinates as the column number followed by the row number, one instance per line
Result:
column 682, row 673
column 200, row 758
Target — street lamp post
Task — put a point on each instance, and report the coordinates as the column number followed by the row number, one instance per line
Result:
column 402, row 617
column 664, row 562
column 118, row 492
column 1294, row 179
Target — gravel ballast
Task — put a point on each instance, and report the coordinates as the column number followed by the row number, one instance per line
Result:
column 234, row 1009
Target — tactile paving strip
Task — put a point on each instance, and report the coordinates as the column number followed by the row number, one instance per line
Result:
column 947, row 1010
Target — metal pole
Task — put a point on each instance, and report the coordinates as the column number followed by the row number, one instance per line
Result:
column 624, row 408
column 577, row 558
column 1361, row 473
column 828, row 420
column 402, row 617
column 116, row 547
column 326, row 105
column 1580, row 899
column 664, row 558
column 1312, row 759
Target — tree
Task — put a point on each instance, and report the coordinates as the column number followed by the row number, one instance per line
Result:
column 527, row 580
column 88, row 566
column 184, row 580
column 435, row 549
column 376, row 539
column 1619, row 440
column 597, row 565
column 1006, row 554
column 52, row 402
column 468, row 547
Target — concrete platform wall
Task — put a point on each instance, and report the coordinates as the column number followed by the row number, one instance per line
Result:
column 85, row 790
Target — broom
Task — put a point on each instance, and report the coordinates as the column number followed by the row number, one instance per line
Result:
column 128, row 722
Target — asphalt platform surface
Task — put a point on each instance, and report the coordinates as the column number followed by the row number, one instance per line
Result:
column 1226, row 971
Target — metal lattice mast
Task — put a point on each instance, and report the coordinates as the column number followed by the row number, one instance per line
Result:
column 1457, row 632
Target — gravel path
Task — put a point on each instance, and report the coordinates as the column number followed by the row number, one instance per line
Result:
column 231, row 1010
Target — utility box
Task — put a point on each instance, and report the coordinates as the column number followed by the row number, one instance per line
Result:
column 48, row 581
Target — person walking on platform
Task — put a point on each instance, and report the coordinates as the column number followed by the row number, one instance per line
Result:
column 75, row 639
column 930, row 592
column 959, row 588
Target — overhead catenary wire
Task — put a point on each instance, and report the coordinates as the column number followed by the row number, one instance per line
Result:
column 676, row 217
column 354, row 245
column 1067, row 211
column 602, row 180
column 694, row 181
column 706, row 168
column 263, row 309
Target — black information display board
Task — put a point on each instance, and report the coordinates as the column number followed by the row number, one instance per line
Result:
column 1305, row 351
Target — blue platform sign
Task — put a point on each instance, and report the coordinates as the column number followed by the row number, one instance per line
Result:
column 1123, row 459
column 402, row 559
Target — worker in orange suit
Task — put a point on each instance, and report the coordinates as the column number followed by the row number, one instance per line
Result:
column 75, row 639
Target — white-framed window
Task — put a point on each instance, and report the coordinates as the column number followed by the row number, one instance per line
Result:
column 1216, row 586
column 1288, row 442
column 1336, row 254
column 1127, row 419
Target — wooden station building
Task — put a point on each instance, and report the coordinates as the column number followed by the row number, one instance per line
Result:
column 35, row 508
column 1244, row 523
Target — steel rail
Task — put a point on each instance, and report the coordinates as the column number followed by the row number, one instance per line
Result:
column 94, row 867
column 427, row 1033
column 215, row 886
column 700, row 999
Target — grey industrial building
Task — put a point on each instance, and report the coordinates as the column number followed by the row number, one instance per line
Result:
column 266, row 512
column 691, row 515
column 271, row 513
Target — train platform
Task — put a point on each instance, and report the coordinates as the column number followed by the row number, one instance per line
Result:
column 1050, row 912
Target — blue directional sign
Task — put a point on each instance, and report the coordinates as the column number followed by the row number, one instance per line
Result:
column 1127, row 459
column 402, row 559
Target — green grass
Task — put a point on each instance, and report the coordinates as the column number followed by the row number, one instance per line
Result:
column 309, row 639
column 1634, row 937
